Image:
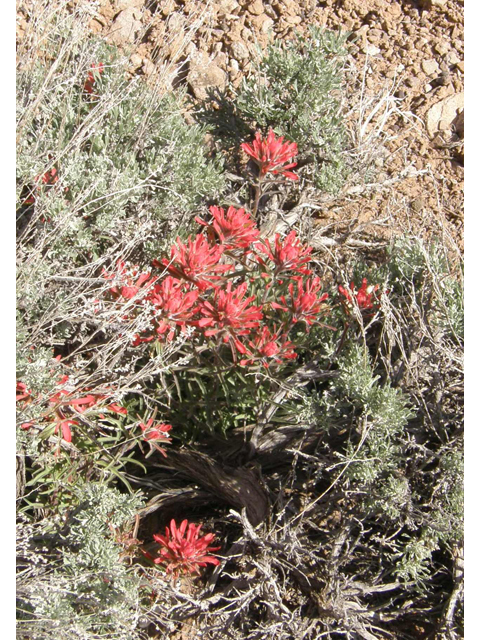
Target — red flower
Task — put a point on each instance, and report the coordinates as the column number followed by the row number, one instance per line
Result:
column 154, row 433
column 90, row 81
column 288, row 255
column 364, row 296
column 305, row 305
column 64, row 425
column 22, row 393
column 129, row 280
column 266, row 345
column 197, row 262
column 236, row 230
column 49, row 178
column 173, row 306
column 229, row 313
column 183, row 549
column 270, row 153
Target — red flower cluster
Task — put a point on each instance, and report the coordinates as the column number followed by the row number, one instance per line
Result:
column 236, row 229
column 183, row 549
column 271, row 153
column 173, row 307
column 229, row 314
column 365, row 296
column 127, row 281
column 305, row 304
column 267, row 346
column 288, row 255
column 152, row 434
column 203, row 292
column 197, row 263
column 63, row 400
column 96, row 71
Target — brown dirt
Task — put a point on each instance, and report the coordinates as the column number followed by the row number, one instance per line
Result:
column 411, row 49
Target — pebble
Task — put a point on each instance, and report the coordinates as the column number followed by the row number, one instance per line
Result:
column 136, row 60
column 452, row 58
column 148, row 67
column 371, row 50
column 442, row 48
column 430, row 67
column 256, row 7
column 239, row 51
column 417, row 204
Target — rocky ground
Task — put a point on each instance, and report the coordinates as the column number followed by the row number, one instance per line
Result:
column 405, row 56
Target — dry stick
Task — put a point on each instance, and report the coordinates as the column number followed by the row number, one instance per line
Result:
column 306, row 373
column 310, row 506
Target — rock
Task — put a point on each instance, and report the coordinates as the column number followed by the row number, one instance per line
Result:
column 168, row 7
column 125, row 27
column 121, row 5
column 413, row 82
column 442, row 48
column 239, row 51
column 452, row 58
column 226, row 7
column 95, row 25
column 204, row 74
column 107, row 11
column 461, row 67
column 371, row 50
column 437, row 3
column 444, row 112
column 430, row 67
column 417, row 204
column 445, row 92
column 395, row 10
column 458, row 124
column 148, row 67
column 293, row 19
column 255, row 7
column 221, row 60
column 262, row 22
column 136, row 60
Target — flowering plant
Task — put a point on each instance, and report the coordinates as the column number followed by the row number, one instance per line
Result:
column 183, row 549
column 63, row 405
column 155, row 433
column 93, row 74
column 235, row 230
column 365, row 297
column 271, row 154
column 214, row 292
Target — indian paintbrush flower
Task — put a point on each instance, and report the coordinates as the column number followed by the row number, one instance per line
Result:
column 235, row 229
column 183, row 549
column 196, row 262
column 304, row 304
column 286, row 255
column 365, row 296
column 271, row 153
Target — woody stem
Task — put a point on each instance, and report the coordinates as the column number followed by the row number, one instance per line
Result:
column 258, row 194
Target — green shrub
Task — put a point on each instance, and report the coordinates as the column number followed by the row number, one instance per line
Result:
column 88, row 590
column 296, row 89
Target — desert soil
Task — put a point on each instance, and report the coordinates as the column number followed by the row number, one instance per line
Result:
column 407, row 55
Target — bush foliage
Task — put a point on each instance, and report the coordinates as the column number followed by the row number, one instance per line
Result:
column 311, row 400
